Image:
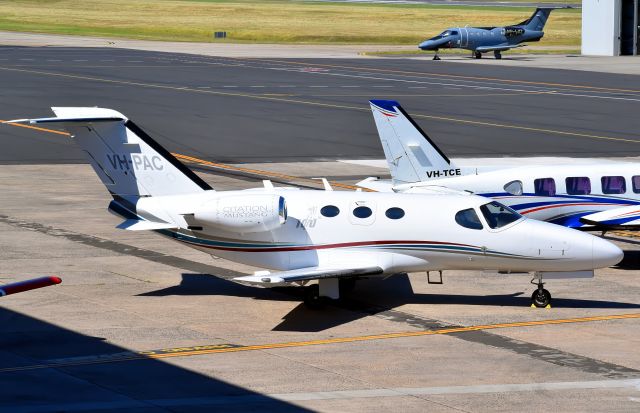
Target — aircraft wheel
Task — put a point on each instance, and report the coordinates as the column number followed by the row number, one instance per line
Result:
column 436, row 57
column 477, row 55
column 312, row 297
column 497, row 54
column 541, row 298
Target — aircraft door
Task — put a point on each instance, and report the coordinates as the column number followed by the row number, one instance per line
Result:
column 464, row 37
column 362, row 212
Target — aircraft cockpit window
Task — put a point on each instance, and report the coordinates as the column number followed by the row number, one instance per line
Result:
column 635, row 183
column 444, row 34
column 579, row 185
column 513, row 187
column 498, row 215
column 468, row 219
column 613, row 185
column 544, row 187
column 329, row 211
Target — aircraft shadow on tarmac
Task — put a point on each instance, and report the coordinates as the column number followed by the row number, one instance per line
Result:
column 149, row 385
column 631, row 260
column 371, row 296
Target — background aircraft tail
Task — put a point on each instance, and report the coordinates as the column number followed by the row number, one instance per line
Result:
column 538, row 19
column 411, row 155
column 128, row 161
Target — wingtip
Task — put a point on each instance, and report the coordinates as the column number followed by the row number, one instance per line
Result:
column 388, row 105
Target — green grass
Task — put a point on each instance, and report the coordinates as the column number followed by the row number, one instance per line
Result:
column 266, row 21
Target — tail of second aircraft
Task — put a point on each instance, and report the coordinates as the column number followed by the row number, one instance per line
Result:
column 127, row 160
column 537, row 20
column 411, row 155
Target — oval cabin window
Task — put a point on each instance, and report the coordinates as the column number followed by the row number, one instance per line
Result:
column 362, row 212
column 394, row 213
column 330, row 211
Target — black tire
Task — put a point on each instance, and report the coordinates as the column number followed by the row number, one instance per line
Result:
column 477, row 55
column 312, row 297
column 498, row 55
column 541, row 298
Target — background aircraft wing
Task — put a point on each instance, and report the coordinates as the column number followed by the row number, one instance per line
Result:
column 309, row 273
column 623, row 217
column 499, row 47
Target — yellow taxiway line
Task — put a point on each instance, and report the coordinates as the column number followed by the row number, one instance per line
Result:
column 230, row 348
column 318, row 104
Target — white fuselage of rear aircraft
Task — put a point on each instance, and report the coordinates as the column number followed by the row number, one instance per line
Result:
column 562, row 194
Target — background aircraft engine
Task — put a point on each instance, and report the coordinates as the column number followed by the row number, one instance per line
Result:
column 244, row 213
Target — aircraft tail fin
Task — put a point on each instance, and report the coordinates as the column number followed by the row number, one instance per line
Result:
column 127, row 160
column 411, row 155
column 538, row 19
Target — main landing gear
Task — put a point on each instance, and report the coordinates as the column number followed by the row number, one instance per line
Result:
column 497, row 54
column 316, row 296
column 477, row 55
column 540, row 298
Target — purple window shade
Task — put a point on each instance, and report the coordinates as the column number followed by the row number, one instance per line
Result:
column 613, row 185
column 545, row 187
column 635, row 181
column 580, row 185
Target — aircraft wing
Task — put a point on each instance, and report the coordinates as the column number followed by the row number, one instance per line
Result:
column 624, row 217
column 499, row 47
column 267, row 278
column 27, row 285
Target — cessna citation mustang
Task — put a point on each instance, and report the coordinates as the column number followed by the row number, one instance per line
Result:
column 317, row 238
column 598, row 196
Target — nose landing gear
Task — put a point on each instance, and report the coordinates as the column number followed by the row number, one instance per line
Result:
column 436, row 57
column 540, row 298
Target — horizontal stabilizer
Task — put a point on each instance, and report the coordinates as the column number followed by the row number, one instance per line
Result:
column 623, row 217
column 307, row 274
column 142, row 225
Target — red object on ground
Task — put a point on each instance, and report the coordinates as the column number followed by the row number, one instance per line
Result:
column 28, row 285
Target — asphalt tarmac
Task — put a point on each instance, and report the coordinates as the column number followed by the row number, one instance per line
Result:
column 278, row 110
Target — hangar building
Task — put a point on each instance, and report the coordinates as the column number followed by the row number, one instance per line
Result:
column 610, row 27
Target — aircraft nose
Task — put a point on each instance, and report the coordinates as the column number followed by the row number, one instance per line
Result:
column 605, row 253
column 426, row 45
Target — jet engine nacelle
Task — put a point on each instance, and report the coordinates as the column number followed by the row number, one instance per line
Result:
column 244, row 213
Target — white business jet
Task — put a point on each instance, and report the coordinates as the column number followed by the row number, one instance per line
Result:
column 594, row 195
column 317, row 238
